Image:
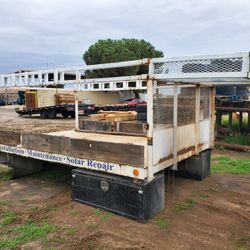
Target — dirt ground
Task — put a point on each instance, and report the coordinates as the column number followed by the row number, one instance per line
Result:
column 9, row 120
column 218, row 216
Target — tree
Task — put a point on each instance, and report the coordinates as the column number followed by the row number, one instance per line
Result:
column 109, row 51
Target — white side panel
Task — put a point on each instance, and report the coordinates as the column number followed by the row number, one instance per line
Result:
column 162, row 144
column 204, row 131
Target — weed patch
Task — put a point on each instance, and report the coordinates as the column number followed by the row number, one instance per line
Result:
column 103, row 214
column 162, row 223
column 73, row 212
column 93, row 226
column 27, row 232
column 188, row 204
column 236, row 138
column 211, row 190
column 70, row 231
column 4, row 202
column 7, row 218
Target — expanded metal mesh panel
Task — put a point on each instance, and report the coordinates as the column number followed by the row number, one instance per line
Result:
column 163, row 103
column 186, row 105
column 204, row 103
column 217, row 65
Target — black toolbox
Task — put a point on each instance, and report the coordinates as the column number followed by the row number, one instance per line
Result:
column 120, row 195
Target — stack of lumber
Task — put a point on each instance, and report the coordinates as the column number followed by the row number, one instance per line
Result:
column 114, row 116
column 65, row 98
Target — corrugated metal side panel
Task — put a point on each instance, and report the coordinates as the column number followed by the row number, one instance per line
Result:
column 186, row 137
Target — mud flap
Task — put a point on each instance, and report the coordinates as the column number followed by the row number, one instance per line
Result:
column 140, row 201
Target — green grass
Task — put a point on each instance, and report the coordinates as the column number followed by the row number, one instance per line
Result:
column 204, row 196
column 27, row 232
column 6, row 173
column 5, row 202
column 7, row 218
column 236, row 138
column 73, row 212
column 162, row 223
column 211, row 190
column 70, row 231
column 188, row 204
column 92, row 226
column 225, row 164
column 103, row 214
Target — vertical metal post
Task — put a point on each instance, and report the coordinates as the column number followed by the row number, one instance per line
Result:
column 26, row 79
column 197, row 118
column 150, row 83
column 175, row 128
column 212, row 116
column 40, row 77
column 46, row 78
column 56, row 77
column 62, row 77
column 77, row 89
column 32, row 79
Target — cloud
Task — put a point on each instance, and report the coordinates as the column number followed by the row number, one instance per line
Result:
column 37, row 33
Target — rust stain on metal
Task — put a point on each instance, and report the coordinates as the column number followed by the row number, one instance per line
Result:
column 169, row 157
column 180, row 152
column 186, row 150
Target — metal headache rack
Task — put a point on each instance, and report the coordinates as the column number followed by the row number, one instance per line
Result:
column 213, row 69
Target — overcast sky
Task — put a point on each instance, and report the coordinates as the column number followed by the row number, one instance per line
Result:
column 54, row 33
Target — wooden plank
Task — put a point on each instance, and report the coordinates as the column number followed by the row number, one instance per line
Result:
column 119, row 118
column 96, row 117
column 9, row 138
column 97, row 125
column 46, row 143
column 132, row 127
column 120, row 153
column 114, row 116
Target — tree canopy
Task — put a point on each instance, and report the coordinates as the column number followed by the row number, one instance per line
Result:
column 109, row 51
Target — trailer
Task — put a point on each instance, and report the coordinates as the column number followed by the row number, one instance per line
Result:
column 49, row 102
column 118, row 164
